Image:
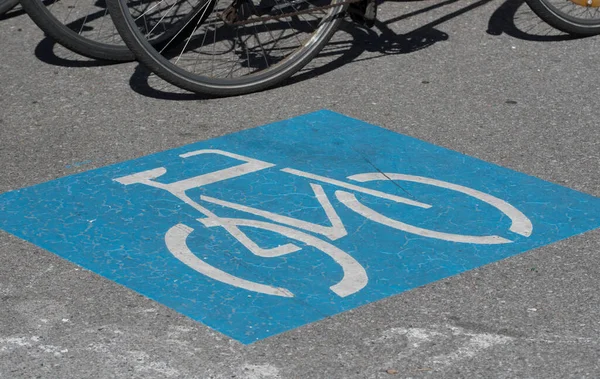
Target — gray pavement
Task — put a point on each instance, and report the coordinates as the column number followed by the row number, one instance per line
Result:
column 483, row 78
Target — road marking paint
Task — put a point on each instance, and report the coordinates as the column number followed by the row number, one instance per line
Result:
column 262, row 231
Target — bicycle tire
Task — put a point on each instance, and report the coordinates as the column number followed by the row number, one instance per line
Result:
column 156, row 62
column 67, row 37
column 565, row 22
column 6, row 5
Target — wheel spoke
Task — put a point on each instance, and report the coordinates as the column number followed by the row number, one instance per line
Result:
column 250, row 38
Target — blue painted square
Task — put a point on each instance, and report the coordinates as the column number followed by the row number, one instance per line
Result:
column 264, row 230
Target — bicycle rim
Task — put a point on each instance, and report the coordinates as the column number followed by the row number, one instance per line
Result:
column 83, row 26
column 586, row 17
column 265, row 41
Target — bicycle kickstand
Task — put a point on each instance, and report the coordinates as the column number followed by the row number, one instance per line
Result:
column 363, row 12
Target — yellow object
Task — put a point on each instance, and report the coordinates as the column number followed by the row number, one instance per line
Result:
column 587, row 3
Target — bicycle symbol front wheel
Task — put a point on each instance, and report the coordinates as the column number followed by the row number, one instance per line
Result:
column 354, row 275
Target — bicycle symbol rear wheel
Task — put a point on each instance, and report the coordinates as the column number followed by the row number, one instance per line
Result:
column 520, row 224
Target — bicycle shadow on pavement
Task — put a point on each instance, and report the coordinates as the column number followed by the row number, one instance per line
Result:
column 15, row 12
column 146, row 83
column 340, row 51
column 516, row 19
column 45, row 51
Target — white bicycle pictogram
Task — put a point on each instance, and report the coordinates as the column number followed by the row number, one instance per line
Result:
column 354, row 275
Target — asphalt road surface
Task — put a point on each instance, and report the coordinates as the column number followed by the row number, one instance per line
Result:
column 484, row 78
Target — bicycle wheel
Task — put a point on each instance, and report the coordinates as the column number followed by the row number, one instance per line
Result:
column 354, row 278
column 6, row 5
column 227, row 47
column 576, row 17
column 81, row 26
column 520, row 224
